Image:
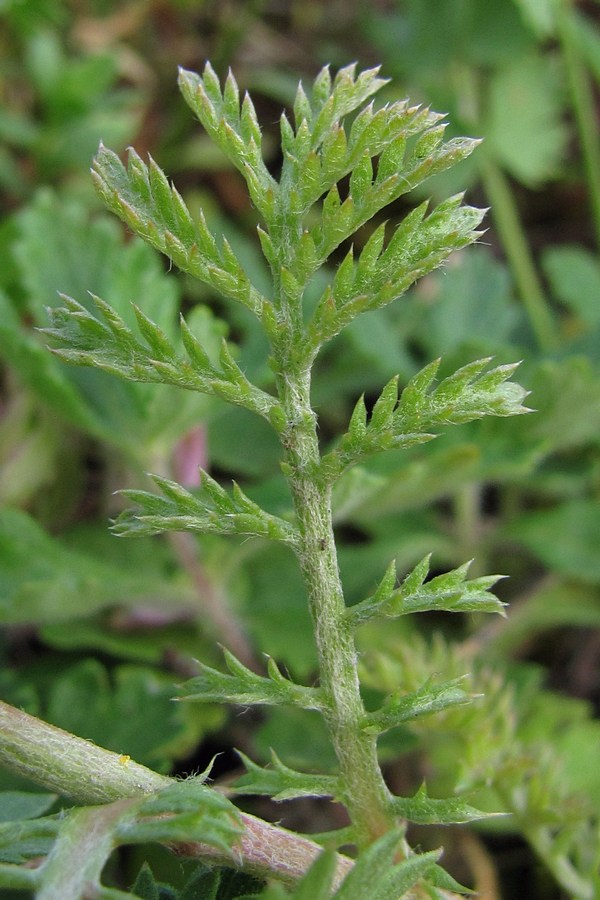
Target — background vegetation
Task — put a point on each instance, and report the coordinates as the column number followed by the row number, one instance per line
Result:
column 95, row 630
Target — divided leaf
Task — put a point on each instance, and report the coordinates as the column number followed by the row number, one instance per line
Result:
column 183, row 812
column 282, row 783
column 233, row 128
column 451, row 592
column 244, row 687
column 425, row 810
column 376, row 874
column 211, row 511
column 142, row 197
column 402, row 421
column 85, row 837
column 379, row 276
column 400, row 708
column 106, row 342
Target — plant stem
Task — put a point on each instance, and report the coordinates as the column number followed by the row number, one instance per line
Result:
column 366, row 795
column 214, row 608
column 88, row 774
column 584, row 108
column 512, row 235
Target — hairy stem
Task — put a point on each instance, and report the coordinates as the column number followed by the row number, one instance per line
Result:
column 88, row 774
column 366, row 795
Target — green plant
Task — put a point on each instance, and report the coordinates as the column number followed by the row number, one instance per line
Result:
column 304, row 221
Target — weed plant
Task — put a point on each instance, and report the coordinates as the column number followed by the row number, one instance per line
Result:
column 344, row 160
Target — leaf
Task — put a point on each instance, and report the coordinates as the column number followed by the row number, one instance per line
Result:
column 23, row 840
column 133, row 715
column 316, row 884
column 235, row 130
column 245, row 687
column 399, row 422
column 220, row 884
column 282, row 783
column 43, row 581
column 574, row 275
column 103, row 340
column 213, row 511
column 425, row 810
column 419, row 245
column 82, row 846
column 145, row 886
column 375, row 875
column 19, row 805
column 456, row 316
column 565, row 538
column 60, row 248
column 525, row 129
column 142, row 197
column 400, row 708
column 183, row 812
column 451, row 592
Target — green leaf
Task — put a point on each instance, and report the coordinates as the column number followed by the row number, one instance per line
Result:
column 18, row 805
column 400, row 708
column 42, row 374
column 425, row 810
column 141, row 196
column 451, row 592
column 455, row 316
column 565, row 538
column 83, row 844
column 145, row 886
column 245, row 687
column 103, row 340
column 574, row 274
column 375, row 875
column 235, row 131
column 418, row 246
column 183, row 812
column 134, row 715
column 525, row 127
column 317, row 883
column 60, row 248
column 23, row 840
column 282, row 783
column 213, row 511
column 399, row 422
column 43, row 581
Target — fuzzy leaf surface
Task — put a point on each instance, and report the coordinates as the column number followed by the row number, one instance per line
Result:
column 400, row 708
column 282, row 783
column 233, row 126
column 59, row 246
column 211, row 511
column 142, row 197
column 103, row 340
column 451, row 592
column 425, row 810
column 244, row 687
column 375, row 875
column 85, row 837
column 396, row 422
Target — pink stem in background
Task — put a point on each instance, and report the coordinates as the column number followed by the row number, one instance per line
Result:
column 189, row 456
